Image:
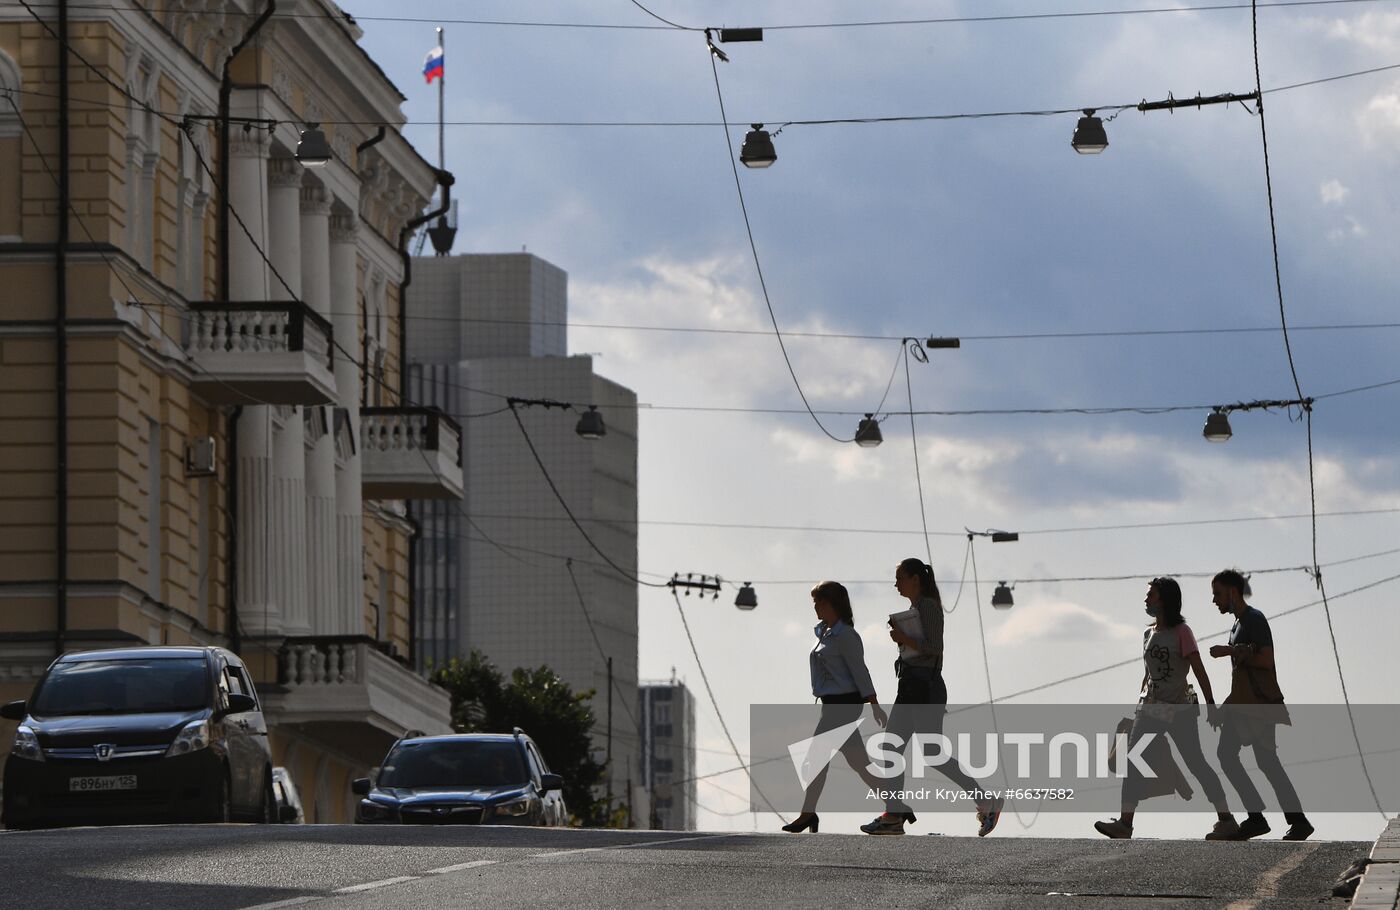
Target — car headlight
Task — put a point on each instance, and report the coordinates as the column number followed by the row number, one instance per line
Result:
column 515, row 808
column 372, row 811
column 26, row 745
column 192, row 738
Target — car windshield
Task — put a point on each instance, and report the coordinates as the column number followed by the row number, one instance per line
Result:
column 136, row 686
column 468, row 763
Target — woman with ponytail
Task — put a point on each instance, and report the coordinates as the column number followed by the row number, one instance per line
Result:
column 920, row 672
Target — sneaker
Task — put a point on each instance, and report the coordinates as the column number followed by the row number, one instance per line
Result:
column 1253, row 826
column 1114, row 828
column 988, row 814
column 1299, row 830
column 885, row 824
column 1225, row 829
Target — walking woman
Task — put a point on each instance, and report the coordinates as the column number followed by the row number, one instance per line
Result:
column 1168, row 650
column 842, row 683
column 920, row 672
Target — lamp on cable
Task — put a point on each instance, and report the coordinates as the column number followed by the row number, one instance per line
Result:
column 1001, row 597
column 758, row 149
column 312, row 149
column 1090, row 138
column 747, row 599
column 868, row 433
column 590, row 424
column 1217, row 427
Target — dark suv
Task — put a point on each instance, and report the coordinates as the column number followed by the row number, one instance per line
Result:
column 139, row 734
column 465, row 779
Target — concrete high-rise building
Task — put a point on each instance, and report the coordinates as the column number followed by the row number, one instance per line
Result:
column 668, row 753
column 505, row 571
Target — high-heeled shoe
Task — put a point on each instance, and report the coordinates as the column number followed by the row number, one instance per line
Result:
column 803, row 822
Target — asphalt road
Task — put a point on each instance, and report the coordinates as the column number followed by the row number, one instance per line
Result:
column 324, row 867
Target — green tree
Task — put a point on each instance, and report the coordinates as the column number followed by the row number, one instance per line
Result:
column 537, row 701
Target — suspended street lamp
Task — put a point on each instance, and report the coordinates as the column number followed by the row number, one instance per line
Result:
column 758, row 148
column 312, row 149
column 1001, row 597
column 868, row 432
column 1217, row 427
column 590, row 424
column 1090, row 138
column 747, row 599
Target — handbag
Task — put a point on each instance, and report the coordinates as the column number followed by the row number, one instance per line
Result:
column 1158, row 756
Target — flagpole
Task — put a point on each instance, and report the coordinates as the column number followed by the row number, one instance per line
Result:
column 442, row 80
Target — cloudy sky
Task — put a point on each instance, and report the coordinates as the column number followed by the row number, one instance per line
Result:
column 978, row 228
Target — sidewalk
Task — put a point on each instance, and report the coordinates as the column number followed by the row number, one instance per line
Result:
column 1380, row 887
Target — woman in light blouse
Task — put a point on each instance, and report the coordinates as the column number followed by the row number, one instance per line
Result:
column 922, row 698
column 842, row 683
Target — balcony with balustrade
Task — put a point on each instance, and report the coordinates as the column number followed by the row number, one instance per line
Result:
column 260, row 353
column 410, row 453
column 348, row 692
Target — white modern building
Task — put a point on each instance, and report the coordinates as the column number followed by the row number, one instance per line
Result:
column 668, row 753
column 492, row 573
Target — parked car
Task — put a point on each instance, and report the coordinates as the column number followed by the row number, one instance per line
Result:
column 289, row 811
column 463, row 779
column 139, row 734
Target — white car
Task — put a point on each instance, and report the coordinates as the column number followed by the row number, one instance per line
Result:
column 289, row 811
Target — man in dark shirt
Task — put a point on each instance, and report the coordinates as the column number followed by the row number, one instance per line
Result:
column 1254, row 681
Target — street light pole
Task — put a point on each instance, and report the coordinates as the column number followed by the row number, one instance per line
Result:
column 610, row 729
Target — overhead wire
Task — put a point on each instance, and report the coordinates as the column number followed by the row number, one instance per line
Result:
column 1306, row 406
column 1307, row 410
column 1117, row 665
column 714, row 703
column 753, row 248
column 832, row 529
column 676, row 25
column 398, row 125
column 348, row 18
column 564, row 504
column 906, row 346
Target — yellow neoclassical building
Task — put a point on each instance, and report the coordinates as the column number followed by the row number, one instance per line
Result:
column 201, row 433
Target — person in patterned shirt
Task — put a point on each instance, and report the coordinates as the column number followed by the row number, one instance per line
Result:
column 1168, row 707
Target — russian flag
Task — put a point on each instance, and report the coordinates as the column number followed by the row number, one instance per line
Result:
column 432, row 65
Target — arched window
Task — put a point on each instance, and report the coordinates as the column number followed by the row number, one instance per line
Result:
column 142, row 155
column 191, row 207
column 11, row 149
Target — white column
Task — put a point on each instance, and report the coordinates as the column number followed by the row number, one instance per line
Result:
column 289, row 576
column 259, row 609
column 349, row 506
column 321, row 575
column 284, row 227
column 247, row 189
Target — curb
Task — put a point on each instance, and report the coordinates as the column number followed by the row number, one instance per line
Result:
column 1380, row 886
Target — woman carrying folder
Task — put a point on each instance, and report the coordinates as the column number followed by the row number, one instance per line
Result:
column 920, row 672
column 842, row 683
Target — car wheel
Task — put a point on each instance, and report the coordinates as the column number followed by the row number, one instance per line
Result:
column 221, row 812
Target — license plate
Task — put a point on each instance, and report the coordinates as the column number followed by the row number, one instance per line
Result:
column 95, row 784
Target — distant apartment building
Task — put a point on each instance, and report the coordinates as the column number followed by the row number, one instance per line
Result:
column 505, row 571
column 668, row 753
column 185, row 452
